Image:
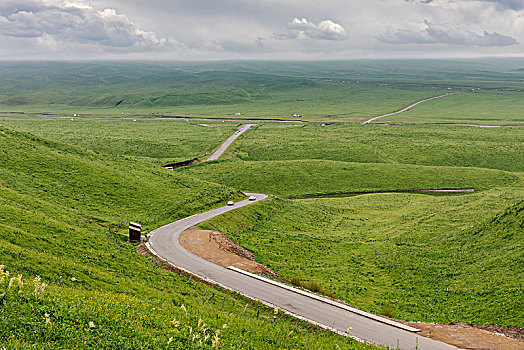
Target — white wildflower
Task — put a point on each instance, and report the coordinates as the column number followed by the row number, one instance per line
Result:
column 39, row 286
column 20, row 284
column 216, row 339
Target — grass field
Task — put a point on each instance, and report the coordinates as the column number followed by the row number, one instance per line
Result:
column 162, row 141
column 68, row 187
column 483, row 108
column 438, row 145
column 330, row 91
column 411, row 256
column 157, row 141
column 316, row 101
column 58, row 203
column 442, row 259
column 299, row 178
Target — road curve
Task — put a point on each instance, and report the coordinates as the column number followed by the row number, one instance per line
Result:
column 164, row 243
column 405, row 109
column 229, row 141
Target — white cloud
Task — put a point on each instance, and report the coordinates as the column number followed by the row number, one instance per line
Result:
column 508, row 4
column 445, row 34
column 303, row 29
column 73, row 22
column 259, row 29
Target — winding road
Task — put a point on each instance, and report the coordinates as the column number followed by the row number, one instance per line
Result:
column 163, row 242
column 406, row 109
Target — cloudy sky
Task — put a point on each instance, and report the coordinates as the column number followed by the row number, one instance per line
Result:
column 259, row 29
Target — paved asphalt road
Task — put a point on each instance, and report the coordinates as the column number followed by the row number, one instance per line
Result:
column 164, row 241
column 229, row 141
column 405, row 109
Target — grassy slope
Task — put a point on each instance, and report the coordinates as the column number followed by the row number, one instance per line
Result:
column 104, row 89
column 298, row 178
column 158, row 141
column 435, row 268
column 329, row 91
column 95, row 278
column 93, row 183
column 422, row 239
column 484, row 108
column 439, row 145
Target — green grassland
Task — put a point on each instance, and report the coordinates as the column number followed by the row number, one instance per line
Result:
column 438, row 145
column 316, row 101
column 484, row 108
column 412, row 256
column 319, row 91
column 442, row 259
column 157, row 141
column 57, row 204
column 93, row 183
column 419, row 257
column 299, row 178
column 116, row 90
column 161, row 141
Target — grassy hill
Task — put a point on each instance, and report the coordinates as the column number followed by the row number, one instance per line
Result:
column 326, row 91
column 418, row 258
column 303, row 178
column 57, row 203
column 158, row 141
column 489, row 108
column 67, row 188
column 439, row 145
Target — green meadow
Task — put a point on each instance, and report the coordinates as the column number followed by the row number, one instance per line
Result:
column 492, row 108
column 318, row 91
column 157, row 141
column 414, row 257
column 337, row 222
column 432, row 145
column 423, row 257
column 302, row 178
column 68, row 281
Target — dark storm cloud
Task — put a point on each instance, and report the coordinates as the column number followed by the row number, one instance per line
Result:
column 73, row 22
column 446, row 34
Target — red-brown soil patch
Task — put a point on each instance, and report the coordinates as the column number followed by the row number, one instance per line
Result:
column 465, row 336
column 220, row 250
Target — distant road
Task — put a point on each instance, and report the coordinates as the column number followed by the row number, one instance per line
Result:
column 405, row 109
column 229, row 141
